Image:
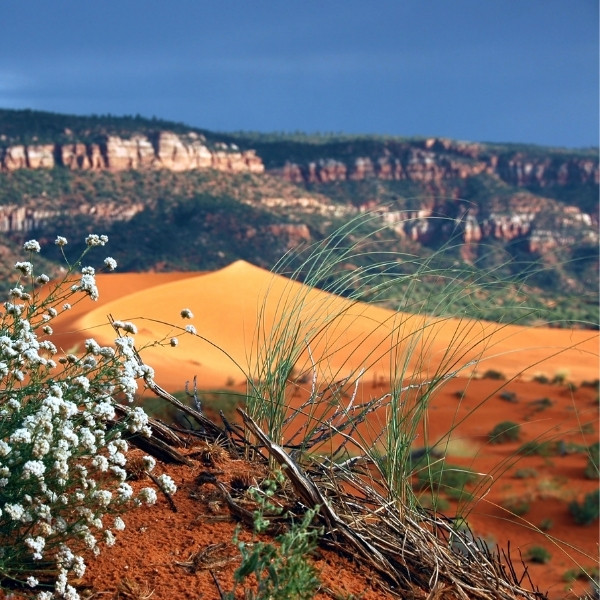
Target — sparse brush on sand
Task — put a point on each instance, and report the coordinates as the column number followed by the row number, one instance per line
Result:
column 333, row 467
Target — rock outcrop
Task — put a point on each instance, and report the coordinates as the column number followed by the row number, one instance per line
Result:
column 163, row 149
column 437, row 160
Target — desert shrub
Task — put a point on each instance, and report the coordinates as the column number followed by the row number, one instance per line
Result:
column 517, row 506
column 525, row 473
column 591, row 469
column 538, row 554
column 546, row 524
column 591, row 384
column 442, row 477
column 538, row 448
column 62, row 446
column 587, row 428
column 507, row 431
column 541, row 378
column 560, row 377
column 508, row 396
column 581, row 573
column 493, row 374
column 541, row 404
column 586, row 512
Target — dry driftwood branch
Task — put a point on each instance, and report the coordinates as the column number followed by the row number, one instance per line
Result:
column 312, row 497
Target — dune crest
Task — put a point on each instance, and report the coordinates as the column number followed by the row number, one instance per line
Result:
column 227, row 303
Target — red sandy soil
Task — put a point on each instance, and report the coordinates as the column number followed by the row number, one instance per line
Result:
column 226, row 304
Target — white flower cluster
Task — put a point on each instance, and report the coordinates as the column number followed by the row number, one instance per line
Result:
column 62, row 457
column 96, row 240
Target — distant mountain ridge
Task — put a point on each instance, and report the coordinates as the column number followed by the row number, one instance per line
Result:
column 199, row 200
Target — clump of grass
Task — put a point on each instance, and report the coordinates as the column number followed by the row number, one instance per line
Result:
column 505, row 432
column 517, row 506
column 581, row 573
column 538, row 448
column 541, row 404
column 586, row 512
column 560, row 377
column 493, row 374
column 593, row 460
column 525, row 473
column 546, row 524
column 508, row 396
column 538, row 554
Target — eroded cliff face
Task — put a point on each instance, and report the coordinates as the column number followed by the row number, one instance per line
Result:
column 163, row 149
column 438, row 160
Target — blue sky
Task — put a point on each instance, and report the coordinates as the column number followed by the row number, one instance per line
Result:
column 481, row 70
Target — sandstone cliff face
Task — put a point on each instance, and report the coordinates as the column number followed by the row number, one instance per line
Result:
column 437, row 160
column 161, row 150
column 32, row 217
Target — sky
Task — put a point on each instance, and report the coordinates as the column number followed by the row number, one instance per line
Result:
column 477, row 70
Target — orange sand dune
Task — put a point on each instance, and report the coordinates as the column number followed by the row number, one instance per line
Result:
column 227, row 303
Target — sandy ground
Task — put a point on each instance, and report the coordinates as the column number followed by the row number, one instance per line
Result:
column 226, row 305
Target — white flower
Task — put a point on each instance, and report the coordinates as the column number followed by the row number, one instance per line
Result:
column 119, row 524
column 167, row 484
column 25, row 267
column 125, row 492
column 186, row 313
column 149, row 463
column 66, row 306
column 32, row 581
column 4, row 448
column 190, row 329
column 129, row 328
column 35, row 468
column 109, row 538
column 32, row 246
column 96, row 240
column 37, row 545
column 61, row 241
column 14, row 511
column 174, row 342
column 148, row 495
column 88, row 284
column 42, row 279
column 82, row 382
column 111, row 263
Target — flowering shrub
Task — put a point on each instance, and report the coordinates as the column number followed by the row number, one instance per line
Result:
column 62, row 454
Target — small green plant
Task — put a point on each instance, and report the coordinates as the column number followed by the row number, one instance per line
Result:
column 541, row 404
column 444, row 478
column 591, row 469
column 560, row 377
column 281, row 570
column 581, row 573
column 535, row 448
column 546, row 524
column 493, row 374
column 508, row 396
column 517, row 506
column 586, row 512
column 538, row 554
column 525, row 473
column 504, row 432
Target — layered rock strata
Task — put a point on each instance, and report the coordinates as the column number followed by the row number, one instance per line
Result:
column 162, row 150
